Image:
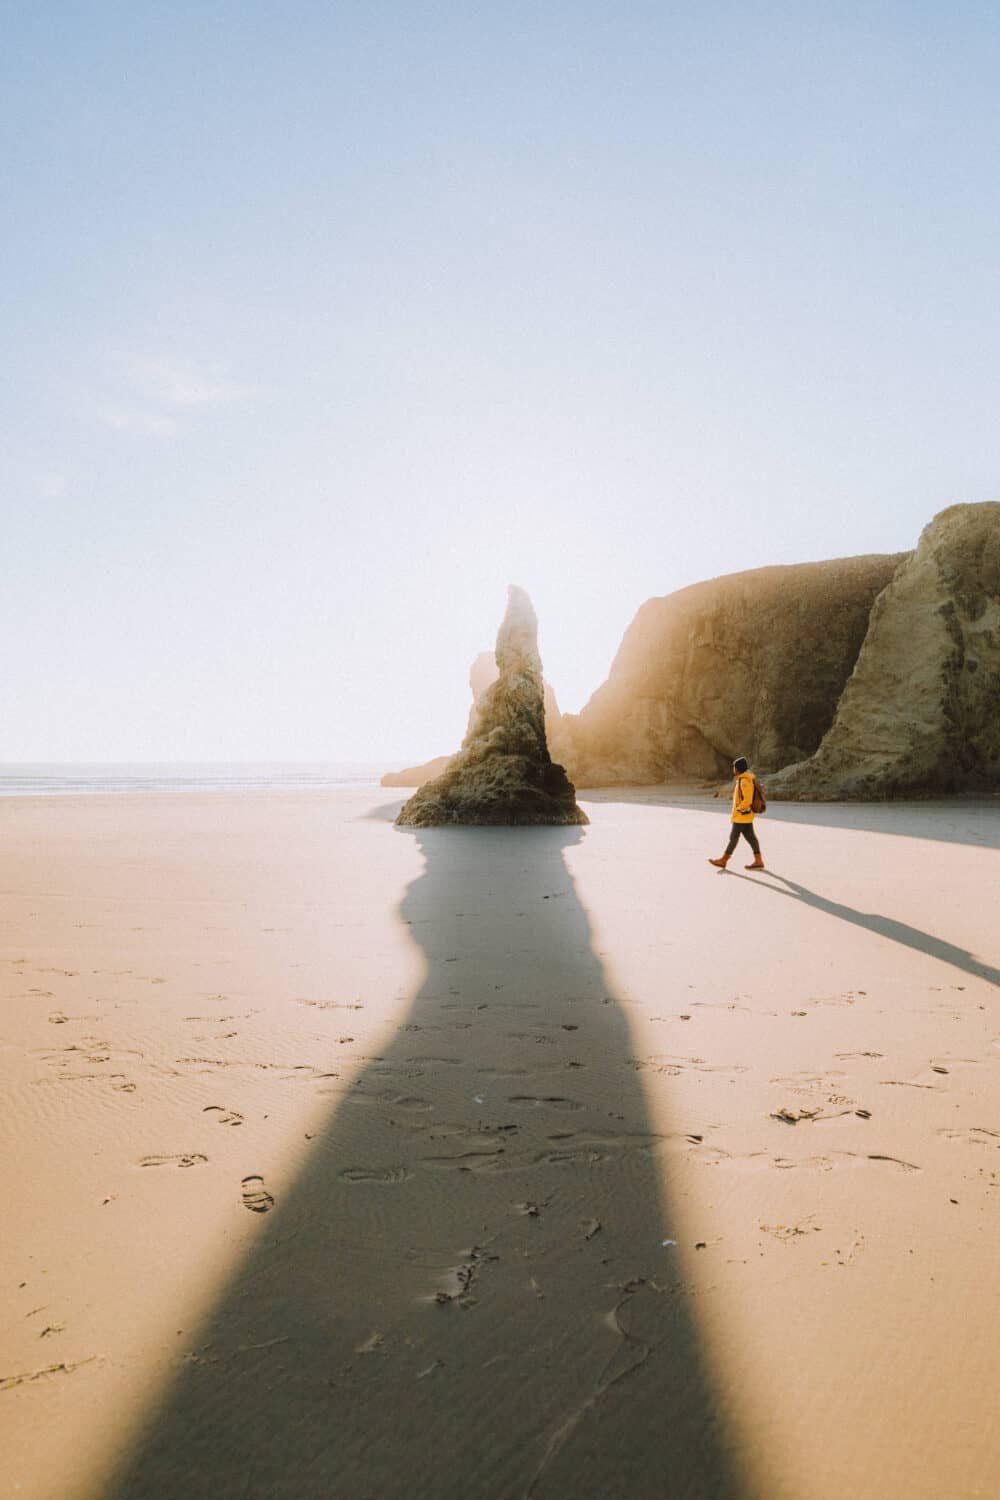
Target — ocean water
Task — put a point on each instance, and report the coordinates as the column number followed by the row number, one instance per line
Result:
column 41, row 780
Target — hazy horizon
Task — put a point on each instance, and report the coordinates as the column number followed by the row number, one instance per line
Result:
column 328, row 323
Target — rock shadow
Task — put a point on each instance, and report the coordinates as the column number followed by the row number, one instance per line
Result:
column 466, row 1291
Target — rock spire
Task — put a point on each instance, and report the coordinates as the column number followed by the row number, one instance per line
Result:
column 503, row 773
column 482, row 675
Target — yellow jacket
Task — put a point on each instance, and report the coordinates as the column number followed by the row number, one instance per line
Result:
column 742, row 797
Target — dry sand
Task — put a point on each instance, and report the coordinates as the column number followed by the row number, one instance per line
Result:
column 341, row 1160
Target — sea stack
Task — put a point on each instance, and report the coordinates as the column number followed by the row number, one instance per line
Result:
column 503, row 773
column 482, row 675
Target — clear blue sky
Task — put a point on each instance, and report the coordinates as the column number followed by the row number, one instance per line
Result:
column 325, row 321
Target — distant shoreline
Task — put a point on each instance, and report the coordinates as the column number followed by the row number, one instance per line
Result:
column 79, row 778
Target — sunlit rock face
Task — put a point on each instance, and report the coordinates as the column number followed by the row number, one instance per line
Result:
column 503, row 773
column 482, row 675
column 921, row 712
column 749, row 664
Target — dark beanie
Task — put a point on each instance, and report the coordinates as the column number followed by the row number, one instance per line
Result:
column 739, row 766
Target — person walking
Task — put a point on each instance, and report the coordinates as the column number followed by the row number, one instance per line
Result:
column 743, row 816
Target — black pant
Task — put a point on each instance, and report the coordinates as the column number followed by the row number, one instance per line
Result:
column 747, row 831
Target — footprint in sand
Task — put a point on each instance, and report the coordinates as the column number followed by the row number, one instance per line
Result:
column 255, row 1195
column 672, row 1066
column 973, row 1135
column 381, row 1175
column 328, row 1004
column 571, row 1156
column 223, row 1116
column 487, row 1160
column 183, row 1159
column 789, row 1232
column 540, row 1101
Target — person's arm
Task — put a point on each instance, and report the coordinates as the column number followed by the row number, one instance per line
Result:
column 743, row 803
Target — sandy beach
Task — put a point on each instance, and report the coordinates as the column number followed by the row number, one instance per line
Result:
column 343, row 1160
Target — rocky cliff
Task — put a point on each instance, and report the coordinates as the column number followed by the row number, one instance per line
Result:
column 503, row 773
column 749, row 664
column 921, row 711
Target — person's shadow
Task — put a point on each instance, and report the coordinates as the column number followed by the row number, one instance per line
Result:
column 887, row 927
column 467, row 1291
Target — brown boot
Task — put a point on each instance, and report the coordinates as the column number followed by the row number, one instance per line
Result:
column 758, row 863
column 720, row 863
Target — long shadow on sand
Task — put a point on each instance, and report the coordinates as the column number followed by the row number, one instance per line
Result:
column 466, row 1291
column 872, row 921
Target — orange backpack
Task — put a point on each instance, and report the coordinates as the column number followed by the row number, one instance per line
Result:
column 758, row 802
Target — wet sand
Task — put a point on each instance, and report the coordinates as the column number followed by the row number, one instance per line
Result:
column 345, row 1161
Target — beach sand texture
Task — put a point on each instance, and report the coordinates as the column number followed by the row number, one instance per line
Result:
column 343, row 1160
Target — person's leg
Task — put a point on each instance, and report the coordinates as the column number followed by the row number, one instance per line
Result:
column 751, row 838
column 734, row 836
